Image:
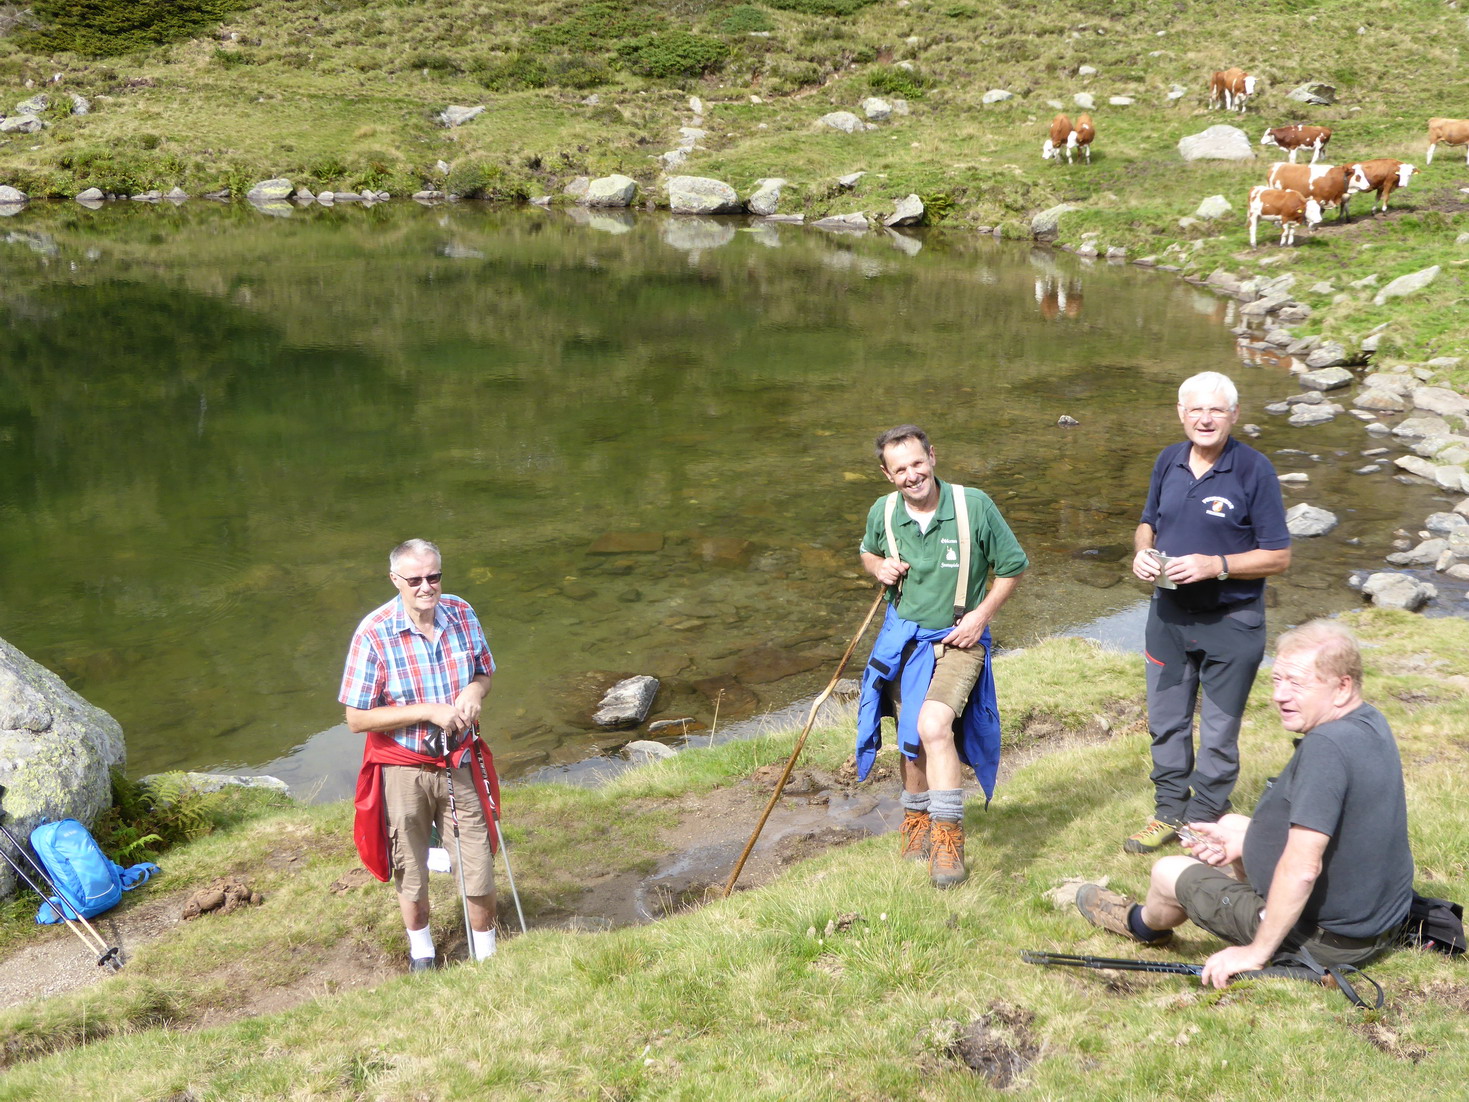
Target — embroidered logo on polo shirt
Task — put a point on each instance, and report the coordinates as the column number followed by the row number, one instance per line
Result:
column 1217, row 506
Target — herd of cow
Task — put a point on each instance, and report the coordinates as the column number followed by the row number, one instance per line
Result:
column 1292, row 194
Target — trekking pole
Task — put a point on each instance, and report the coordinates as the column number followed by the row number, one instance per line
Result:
column 106, row 954
column 499, row 835
column 801, row 742
column 458, row 848
column 1322, row 978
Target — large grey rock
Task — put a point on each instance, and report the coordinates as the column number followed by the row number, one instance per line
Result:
column 33, row 106
column 11, row 195
column 577, row 187
column 89, row 194
column 21, row 124
column 455, row 115
column 214, row 782
column 80, row 105
column 1313, row 92
column 646, row 751
column 1048, row 221
column 1388, row 590
column 844, row 121
column 1085, row 100
column 1440, row 400
column 1396, row 383
column 856, row 221
column 1425, row 554
column 1329, row 355
column 610, row 191
column 908, row 212
column 1407, row 285
column 626, row 704
column 1445, row 523
column 57, row 751
column 1309, row 520
column 1218, row 143
column 766, row 197
column 702, row 195
column 877, row 109
column 996, row 95
column 1313, row 414
column 268, row 191
column 1414, row 428
column 1215, row 206
column 1384, row 401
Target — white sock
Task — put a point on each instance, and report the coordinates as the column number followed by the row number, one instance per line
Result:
column 484, row 943
column 421, row 943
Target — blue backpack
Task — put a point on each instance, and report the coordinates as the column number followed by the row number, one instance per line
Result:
column 88, row 882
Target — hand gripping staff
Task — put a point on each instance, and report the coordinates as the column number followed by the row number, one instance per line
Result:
column 801, row 742
column 1298, row 966
column 106, row 954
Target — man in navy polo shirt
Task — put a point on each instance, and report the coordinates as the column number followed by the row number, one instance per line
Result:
column 1212, row 531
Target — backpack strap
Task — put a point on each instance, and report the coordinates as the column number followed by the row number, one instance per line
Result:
column 137, row 874
column 961, row 519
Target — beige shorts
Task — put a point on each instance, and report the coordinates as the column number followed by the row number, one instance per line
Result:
column 417, row 796
column 955, row 673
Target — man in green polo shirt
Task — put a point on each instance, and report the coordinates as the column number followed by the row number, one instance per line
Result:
column 913, row 545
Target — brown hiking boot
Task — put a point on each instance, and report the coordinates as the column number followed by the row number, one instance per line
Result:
column 913, row 836
column 1109, row 910
column 946, row 854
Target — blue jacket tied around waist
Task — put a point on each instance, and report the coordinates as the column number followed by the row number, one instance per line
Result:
column 977, row 734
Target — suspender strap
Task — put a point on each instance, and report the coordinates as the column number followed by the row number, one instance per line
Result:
column 887, row 519
column 961, row 521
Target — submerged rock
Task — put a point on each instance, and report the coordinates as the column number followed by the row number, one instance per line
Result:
column 626, row 704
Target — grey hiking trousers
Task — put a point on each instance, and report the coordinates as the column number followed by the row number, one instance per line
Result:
column 1220, row 651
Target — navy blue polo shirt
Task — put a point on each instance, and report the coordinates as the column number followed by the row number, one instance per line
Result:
column 1235, row 507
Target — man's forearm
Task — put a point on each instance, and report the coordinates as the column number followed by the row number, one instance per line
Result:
column 1290, row 888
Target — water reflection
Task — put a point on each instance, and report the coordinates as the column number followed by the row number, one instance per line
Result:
column 638, row 458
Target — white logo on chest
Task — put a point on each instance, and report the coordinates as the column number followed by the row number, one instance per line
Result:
column 1217, row 506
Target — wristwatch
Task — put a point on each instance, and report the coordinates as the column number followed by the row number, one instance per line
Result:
column 1223, row 575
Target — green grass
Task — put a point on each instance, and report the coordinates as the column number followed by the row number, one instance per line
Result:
column 778, row 992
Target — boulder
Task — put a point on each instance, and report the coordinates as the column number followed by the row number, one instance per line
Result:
column 577, row 188
column 908, row 212
column 766, row 196
column 212, row 782
column 33, row 106
column 90, row 194
column 1441, row 400
column 1329, row 355
column 1215, row 206
column 267, row 191
column 1407, row 285
column 57, row 751
column 877, row 109
column 646, row 751
column 21, row 124
column 1218, row 143
column 626, row 704
column 80, row 105
column 1415, row 428
column 1120, row 101
column 1085, row 100
column 1048, row 221
column 1309, row 520
column 1313, row 415
column 610, row 191
column 1445, row 523
column 1384, row 401
column 673, row 159
column 1388, row 590
column 854, row 221
column 701, row 195
column 996, row 95
column 1424, row 554
column 1313, row 92
column 10, row 195
column 844, row 121
column 850, row 180
column 1326, row 378
column 455, row 115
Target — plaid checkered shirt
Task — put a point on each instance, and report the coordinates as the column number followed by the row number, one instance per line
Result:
column 391, row 662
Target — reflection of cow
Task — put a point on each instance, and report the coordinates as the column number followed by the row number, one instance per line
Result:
column 1231, row 88
column 1382, row 175
column 1057, row 299
column 1327, row 184
column 1289, row 208
column 1297, row 136
column 1450, row 132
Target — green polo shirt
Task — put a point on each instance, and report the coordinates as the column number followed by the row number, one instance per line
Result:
column 933, row 556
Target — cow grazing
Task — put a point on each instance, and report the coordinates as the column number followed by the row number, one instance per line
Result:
column 1450, row 132
column 1058, row 139
column 1082, row 135
column 1327, row 184
column 1381, row 175
column 1297, row 136
column 1231, row 88
column 1289, row 208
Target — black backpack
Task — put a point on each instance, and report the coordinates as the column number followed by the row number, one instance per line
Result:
column 1436, row 924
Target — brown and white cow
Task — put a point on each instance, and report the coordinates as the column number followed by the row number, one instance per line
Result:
column 1289, row 208
column 1327, row 184
column 1058, row 139
column 1450, row 132
column 1298, row 136
column 1232, row 88
column 1382, row 175
column 1082, row 135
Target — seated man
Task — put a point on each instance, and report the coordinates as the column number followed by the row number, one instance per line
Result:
column 1324, row 863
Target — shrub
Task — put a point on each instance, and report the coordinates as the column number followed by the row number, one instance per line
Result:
column 743, row 19
column 578, row 71
column 674, row 53
column 514, row 73
column 434, row 62
column 102, row 28
column 478, row 178
column 598, row 26
column 821, row 7
column 896, row 82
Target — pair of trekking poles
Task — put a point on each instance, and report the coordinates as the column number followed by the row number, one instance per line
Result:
column 56, row 899
column 494, row 823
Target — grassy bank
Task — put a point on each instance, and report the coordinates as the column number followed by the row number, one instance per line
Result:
column 344, row 95
column 846, row 977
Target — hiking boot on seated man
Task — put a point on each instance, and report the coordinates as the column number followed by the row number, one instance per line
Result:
column 1327, row 846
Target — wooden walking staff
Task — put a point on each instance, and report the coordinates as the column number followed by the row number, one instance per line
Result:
column 801, row 742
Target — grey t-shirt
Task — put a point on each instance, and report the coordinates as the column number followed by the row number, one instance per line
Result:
column 1345, row 780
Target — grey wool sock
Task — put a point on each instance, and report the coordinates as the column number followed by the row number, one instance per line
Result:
column 915, row 801
column 946, row 804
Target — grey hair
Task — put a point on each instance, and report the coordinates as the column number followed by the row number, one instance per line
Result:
column 413, row 547
column 897, row 436
column 1337, row 653
column 1210, row 382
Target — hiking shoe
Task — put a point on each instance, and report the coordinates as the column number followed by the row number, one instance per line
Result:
column 946, row 854
column 1109, row 910
column 913, row 836
column 1152, row 837
column 422, row 964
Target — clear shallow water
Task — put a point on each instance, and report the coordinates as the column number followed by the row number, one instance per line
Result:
column 643, row 444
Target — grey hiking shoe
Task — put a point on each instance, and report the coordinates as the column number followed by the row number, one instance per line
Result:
column 1152, row 837
column 1109, row 910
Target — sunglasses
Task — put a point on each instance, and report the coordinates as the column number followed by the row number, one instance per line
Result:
column 414, row 583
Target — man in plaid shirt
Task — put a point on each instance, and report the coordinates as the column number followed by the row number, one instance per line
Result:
column 415, row 679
